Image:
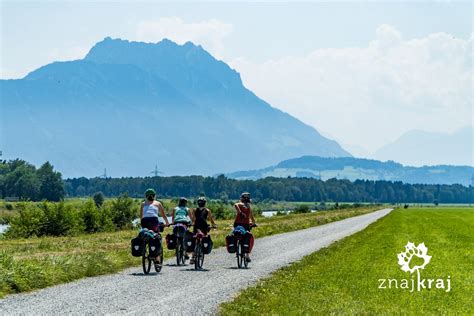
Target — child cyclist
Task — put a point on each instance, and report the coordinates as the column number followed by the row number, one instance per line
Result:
column 200, row 216
column 182, row 215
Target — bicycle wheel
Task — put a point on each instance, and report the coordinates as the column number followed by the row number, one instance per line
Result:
column 183, row 253
column 178, row 253
column 146, row 260
column 159, row 265
column 199, row 259
column 244, row 257
column 237, row 254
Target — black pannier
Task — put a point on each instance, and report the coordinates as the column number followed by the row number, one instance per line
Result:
column 230, row 243
column 155, row 246
column 171, row 241
column 207, row 245
column 189, row 241
column 137, row 246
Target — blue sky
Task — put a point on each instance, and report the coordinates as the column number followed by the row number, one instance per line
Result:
column 342, row 67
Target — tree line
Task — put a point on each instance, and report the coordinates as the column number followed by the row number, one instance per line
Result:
column 277, row 189
column 20, row 179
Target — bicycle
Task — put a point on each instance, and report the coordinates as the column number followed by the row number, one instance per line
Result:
column 179, row 231
column 240, row 253
column 199, row 250
column 147, row 259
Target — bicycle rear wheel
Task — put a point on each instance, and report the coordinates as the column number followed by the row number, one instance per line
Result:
column 244, row 257
column 178, row 253
column 199, row 260
column 183, row 252
column 146, row 260
column 238, row 255
column 159, row 264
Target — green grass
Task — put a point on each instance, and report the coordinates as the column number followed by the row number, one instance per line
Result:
column 34, row 263
column 343, row 278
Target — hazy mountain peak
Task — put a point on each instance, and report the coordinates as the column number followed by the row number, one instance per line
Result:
column 189, row 67
column 418, row 148
column 167, row 100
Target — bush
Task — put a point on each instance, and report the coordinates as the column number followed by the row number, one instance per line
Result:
column 302, row 209
column 123, row 211
column 27, row 222
column 98, row 199
column 90, row 217
column 221, row 211
column 60, row 219
column 9, row 206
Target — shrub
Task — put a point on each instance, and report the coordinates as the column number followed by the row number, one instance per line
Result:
column 9, row 206
column 98, row 199
column 27, row 222
column 90, row 217
column 60, row 219
column 302, row 209
column 221, row 211
column 123, row 211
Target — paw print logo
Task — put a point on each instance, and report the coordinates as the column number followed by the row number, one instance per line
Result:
column 411, row 250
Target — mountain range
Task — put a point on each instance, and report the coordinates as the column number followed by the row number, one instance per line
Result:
column 128, row 106
column 418, row 148
column 357, row 168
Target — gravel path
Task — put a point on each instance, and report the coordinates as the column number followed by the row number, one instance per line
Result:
column 181, row 290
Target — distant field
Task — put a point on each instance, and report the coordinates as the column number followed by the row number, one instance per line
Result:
column 33, row 263
column 344, row 278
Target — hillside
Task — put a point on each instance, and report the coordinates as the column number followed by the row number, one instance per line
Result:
column 128, row 106
column 358, row 168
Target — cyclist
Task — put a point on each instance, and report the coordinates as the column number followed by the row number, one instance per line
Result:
column 200, row 216
column 150, row 210
column 182, row 215
column 244, row 215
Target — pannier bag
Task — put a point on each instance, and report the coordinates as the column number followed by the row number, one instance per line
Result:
column 189, row 241
column 230, row 243
column 171, row 241
column 137, row 247
column 207, row 245
column 247, row 243
column 155, row 246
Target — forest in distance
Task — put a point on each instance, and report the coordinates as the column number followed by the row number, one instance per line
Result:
column 277, row 189
column 22, row 180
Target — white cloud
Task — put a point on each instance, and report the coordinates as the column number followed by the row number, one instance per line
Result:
column 209, row 33
column 369, row 96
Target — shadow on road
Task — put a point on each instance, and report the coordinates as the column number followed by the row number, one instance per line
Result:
column 194, row 270
column 142, row 274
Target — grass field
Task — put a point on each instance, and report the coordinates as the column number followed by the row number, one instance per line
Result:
column 33, row 263
column 344, row 278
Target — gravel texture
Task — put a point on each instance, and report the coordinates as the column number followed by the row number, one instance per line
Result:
column 180, row 290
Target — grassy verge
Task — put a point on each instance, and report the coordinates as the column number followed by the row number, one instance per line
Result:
column 344, row 278
column 34, row 263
